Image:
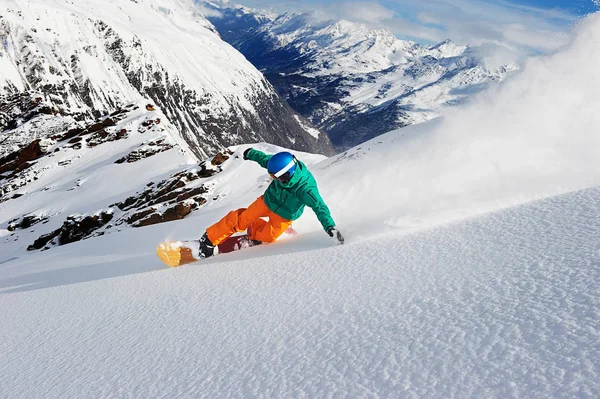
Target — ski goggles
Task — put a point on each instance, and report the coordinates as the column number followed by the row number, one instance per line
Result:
column 284, row 178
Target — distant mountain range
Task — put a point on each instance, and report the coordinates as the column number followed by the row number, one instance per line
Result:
column 350, row 81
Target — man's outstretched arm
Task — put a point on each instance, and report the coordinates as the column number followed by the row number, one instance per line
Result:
column 257, row 156
column 313, row 200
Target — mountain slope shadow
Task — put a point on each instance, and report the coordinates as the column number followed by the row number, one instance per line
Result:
column 123, row 266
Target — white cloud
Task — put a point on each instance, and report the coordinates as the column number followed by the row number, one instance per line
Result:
column 371, row 13
column 428, row 18
column 207, row 12
column 481, row 22
column 491, row 24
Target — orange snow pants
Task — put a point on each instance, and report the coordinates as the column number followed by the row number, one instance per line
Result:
column 249, row 218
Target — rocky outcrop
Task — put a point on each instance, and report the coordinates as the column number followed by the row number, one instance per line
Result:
column 26, row 222
column 175, row 212
column 20, row 108
column 75, row 228
column 19, row 160
column 168, row 200
column 152, row 148
column 168, row 190
column 14, row 167
column 97, row 128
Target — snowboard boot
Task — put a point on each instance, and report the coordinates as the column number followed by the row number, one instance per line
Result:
column 251, row 242
column 206, row 248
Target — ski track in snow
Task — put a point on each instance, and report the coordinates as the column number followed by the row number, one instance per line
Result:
column 504, row 305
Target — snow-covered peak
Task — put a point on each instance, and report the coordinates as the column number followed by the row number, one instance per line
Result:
column 447, row 49
column 91, row 57
column 153, row 25
column 355, row 82
column 241, row 10
column 362, row 49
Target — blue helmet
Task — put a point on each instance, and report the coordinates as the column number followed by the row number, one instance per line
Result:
column 282, row 166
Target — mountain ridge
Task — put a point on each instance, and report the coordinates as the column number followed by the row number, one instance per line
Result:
column 89, row 59
column 345, row 77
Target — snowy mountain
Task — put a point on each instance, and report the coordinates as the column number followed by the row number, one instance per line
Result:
column 352, row 82
column 90, row 58
column 470, row 267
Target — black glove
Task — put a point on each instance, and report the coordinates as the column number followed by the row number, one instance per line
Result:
column 335, row 233
column 246, row 153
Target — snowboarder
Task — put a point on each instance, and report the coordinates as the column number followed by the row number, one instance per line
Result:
column 293, row 187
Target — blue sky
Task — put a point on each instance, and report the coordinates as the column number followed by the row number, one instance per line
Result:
column 521, row 27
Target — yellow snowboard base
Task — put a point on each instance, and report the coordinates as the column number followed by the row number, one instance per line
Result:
column 174, row 254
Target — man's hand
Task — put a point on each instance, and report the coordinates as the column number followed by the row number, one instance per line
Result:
column 335, row 233
column 246, row 153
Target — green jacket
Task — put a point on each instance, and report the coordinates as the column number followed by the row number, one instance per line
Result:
column 289, row 199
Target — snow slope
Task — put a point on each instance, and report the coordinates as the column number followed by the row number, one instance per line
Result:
column 506, row 305
column 471, row 269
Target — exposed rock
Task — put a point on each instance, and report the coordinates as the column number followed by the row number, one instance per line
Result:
column 43, row 240
column 146, row 151
column 187, row 176
column 133, row 200
column 207, row 170
column 15, row 171
column 172, row 193
column 187, row 194
column 19, row 160
column 118, row 113
column 99, row 126
column 166, row 190
column 148, row 124
column 14, row 196
column 176, row 212
column 21, row 108
column 103, row 136
column 75, row 228
column 168, row 196
column 26, row 222
column 219, row 159
column 69, row 134
column 140, row 215
column 170, row 186
column 168, row 200
column 93, row 128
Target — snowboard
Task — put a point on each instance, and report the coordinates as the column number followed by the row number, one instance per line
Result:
column 178, row 253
